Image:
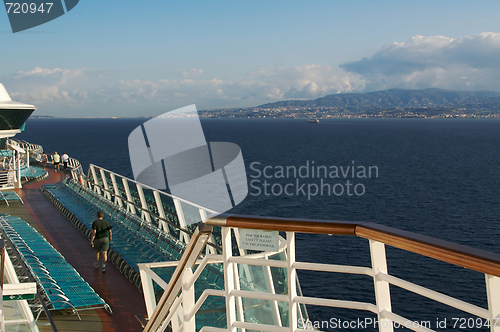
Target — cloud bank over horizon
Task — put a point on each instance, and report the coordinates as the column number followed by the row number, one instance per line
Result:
column 80, row 88
column 467, row 63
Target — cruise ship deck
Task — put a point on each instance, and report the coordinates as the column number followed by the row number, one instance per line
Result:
column 197, row 270
column 124, row 298
column 217, row 286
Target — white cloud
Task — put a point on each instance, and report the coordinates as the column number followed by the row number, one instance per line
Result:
column 192, row 73
column 39, row 86
column 304, row 82
column 469, row 63
column 70, row 88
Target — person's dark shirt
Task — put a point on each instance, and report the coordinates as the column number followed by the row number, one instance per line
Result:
column 101, row 227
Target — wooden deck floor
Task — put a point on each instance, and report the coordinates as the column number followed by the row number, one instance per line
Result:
column 125, row 299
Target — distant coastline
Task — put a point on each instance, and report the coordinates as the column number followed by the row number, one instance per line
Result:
column 393, row 103
column 426, row 113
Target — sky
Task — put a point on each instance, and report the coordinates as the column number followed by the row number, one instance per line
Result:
column 144, row 58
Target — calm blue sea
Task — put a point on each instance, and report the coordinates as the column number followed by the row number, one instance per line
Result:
column 437, row 177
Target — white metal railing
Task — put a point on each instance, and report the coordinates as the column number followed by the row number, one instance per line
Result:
column 132, row 196
column 182, row 314
column 73, row 164
column 151, row 207
column 35, row 150
column 20, row 313
column 6, row 179
column 17, row 164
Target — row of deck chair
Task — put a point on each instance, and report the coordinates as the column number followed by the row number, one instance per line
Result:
column 10, row 196
column 59, row 283
column 134, row 240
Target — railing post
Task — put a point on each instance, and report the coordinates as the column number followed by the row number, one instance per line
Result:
column 175, row 320
column 148, row 291
column 182, row 220
column 188, row 300
column 382, row 292
column 292, row 281
column 144, row 204
column 227, row 253
column 161, row 212
column 106, row 195
column 19, row 184
column 204, row 217
column 96, row 182
column 274, row 304
column 239, row 300
column 118, row 197
column 493, row 294
column 130, row 207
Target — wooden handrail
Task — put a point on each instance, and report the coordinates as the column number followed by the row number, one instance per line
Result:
column 292, row 225
column 464, row 256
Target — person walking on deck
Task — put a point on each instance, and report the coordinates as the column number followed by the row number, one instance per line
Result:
column 99, row 240
column 56, row 159
column 44, row 159
column 65, row 159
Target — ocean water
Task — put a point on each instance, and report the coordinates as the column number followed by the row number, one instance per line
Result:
column 436, row 177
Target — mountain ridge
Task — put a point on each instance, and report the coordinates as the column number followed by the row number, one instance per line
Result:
column 430, row 102
column 395, row 98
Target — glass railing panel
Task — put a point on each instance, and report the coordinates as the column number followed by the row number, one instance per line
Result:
column 283, row 311
column 191, row 216
column 18, row 327
column 151, row 205
column 121, row 190
column 212, row 313
column 279, row 275
column 253, row 278
column 150, row 200
column 135, row 197
column 217, row 236
column 97, row 180
column 258, row 311
column 107, row 179
column 212, row 277
column 170, row 215
column 213, row 310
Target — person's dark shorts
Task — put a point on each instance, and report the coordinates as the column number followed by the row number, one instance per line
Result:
column 101, row 244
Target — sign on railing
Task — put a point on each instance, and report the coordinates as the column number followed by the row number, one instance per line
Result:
column 22, row 291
